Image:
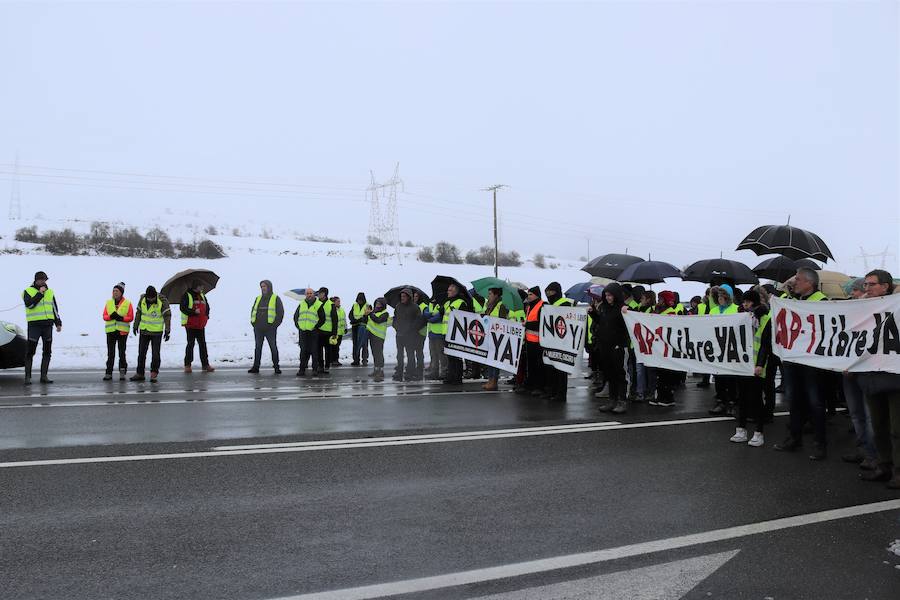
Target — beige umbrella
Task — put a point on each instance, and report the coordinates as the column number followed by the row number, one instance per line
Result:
column 831, row 283
column 601, row 280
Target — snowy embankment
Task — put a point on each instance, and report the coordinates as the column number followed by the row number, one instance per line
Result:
column 82, row 285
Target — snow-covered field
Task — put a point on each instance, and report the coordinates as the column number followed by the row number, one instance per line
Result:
column 83, row 283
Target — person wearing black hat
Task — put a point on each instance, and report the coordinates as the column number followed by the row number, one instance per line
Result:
column 557, row 381
column 118, row 313
column 326, row 330
column 41, row 314
column 534, row 361
column 455, row 301
column 194, row 317
column 153, row 321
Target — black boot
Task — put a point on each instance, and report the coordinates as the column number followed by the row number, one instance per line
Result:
column 28, row 371
column 45, row 368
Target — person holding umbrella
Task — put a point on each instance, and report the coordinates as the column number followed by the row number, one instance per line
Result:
column 41, row 314
column 805, row 384
column 118, row 313
column 194, row 317
column 358, row 330
column 154, row 322
column 494, row 308
column 406, row 322
column 266, row 316
column 454, row 301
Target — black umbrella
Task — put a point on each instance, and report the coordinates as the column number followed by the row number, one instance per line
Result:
column 649, row 271
column 439, row 288
column 780, row 268
column 786, row 240
column 610, row 265
column 720, row 269
column 180, row 283
column 392, row 296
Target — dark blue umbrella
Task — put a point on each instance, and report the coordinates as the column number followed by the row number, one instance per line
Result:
column 649, row 271
column 579, row 292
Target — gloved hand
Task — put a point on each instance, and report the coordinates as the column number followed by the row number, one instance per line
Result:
column 166, row 336
column 135, row 329
column 333, row 340
column 115, row 316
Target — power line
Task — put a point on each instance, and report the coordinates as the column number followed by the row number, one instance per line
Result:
column 15, row 196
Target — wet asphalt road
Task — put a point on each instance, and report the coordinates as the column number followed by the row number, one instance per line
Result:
column 278, row 524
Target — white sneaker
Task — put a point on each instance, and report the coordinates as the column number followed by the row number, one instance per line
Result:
column 757, row 441
column 740, row 436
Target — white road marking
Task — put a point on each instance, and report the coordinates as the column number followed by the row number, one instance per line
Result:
column 424, row 584
column 338, row 444
column 668, row 581
column 377, row 440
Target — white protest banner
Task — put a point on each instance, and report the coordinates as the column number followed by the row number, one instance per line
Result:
column 563, row 334
column 491, row 341
column 718, row 345
column 847, row 335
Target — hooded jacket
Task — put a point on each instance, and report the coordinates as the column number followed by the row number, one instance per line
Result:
column 361, row 301
column 262, row 310
column 608, row 323
column 553, row 292
column 407, row 316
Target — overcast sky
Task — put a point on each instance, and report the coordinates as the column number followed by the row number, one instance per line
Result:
column 670, row 128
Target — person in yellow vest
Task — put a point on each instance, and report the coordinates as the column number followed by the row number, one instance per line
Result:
column 421, row 337
column 326, row 329
column 266, row 316
column 118, row 313
column 455, row 301
column 42, row 315
column 377, row 321
column 472, row 369
column 750, row 389
column 338, row 337
column 308, row 317
column 721, row 302
column 358, row 331
column 154, row 322
column 436, row 332
column 494, row 307
column 558, row 380
column 805, row 385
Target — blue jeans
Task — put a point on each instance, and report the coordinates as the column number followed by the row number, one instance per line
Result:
column 859, row 414
column 646, row 379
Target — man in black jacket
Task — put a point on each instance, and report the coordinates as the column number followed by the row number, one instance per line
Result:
column 266, row 316
column 406, row 322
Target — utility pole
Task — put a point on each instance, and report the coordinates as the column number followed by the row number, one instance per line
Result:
column 494, row 189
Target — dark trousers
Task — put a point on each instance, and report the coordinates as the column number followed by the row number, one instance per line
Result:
column 198, row 336
column 454, row 370
column 406, row 354
column 419, row 348
column 309, row 347
column 666, row 381
column 324, row 351
column 534, row 366
column 39, row 331
column 116, row 340
column 334, row 351
column 559, row 384
column 726, row 388
column 613, row 363
column 377, row 345
column 750, row 401
column 804, row 387
column 145, row 341
column 360, row 346
column 265, row 334
column 885, row 411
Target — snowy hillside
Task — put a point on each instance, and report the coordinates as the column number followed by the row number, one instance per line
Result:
column 83, row 284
